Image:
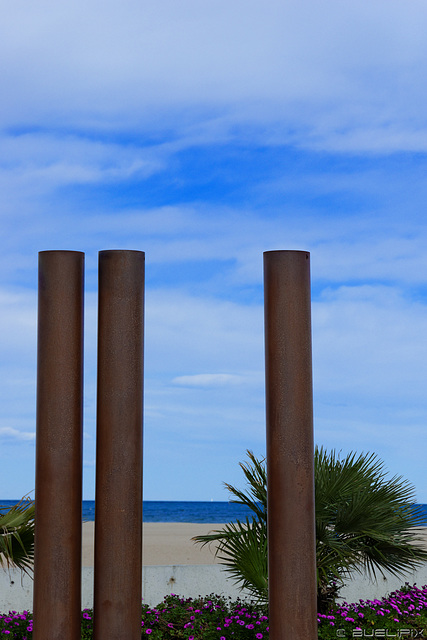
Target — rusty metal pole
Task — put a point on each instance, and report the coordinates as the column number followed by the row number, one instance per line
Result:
column 118, row 500
column 290, row 451
column 58, row 498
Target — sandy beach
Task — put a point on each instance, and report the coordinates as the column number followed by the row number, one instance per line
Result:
column 167, row 543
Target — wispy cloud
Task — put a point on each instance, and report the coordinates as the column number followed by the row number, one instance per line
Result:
column 205, row 134
column 342, row 77
column 8, row 433
column 208, row 380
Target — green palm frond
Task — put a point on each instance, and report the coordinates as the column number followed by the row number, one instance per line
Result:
column 242, row 549
column 17, row 536
column 364, row 522
column 256, row 496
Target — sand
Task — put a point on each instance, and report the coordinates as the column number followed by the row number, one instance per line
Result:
column 166, row 543
column 170, row 543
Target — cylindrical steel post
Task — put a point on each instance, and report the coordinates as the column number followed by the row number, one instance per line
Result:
column 118, row 500
column 58, row 497
column 290, row 455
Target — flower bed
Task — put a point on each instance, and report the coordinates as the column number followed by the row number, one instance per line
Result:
column 210, row 618
column 403, row 614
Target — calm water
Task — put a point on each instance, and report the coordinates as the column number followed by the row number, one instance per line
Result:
column 161, row 511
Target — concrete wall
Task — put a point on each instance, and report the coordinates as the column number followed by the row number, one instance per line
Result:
column 16, row 590
column 361, row 588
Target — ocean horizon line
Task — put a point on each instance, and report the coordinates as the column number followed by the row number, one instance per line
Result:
column 202, row 511
column 185, row 511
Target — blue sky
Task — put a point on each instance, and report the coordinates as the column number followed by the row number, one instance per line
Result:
column 204, row 133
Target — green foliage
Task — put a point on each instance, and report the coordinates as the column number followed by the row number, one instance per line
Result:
column 364, row 522
column 399, row 614
column 17, row 536
column 402, row 613
column 243, row 550
column 242, row 547
column 204, row 618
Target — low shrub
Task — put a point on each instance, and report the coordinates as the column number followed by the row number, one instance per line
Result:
column 402, row 614
column 208, row 618
column 17, row 625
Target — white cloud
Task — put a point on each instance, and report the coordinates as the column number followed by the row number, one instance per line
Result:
column 193, row 333
column 8, row 433
column 18, row 324
column 369, row 346
column 208, row 380
column 336, row 76
column 100, row 97
column 42, row 161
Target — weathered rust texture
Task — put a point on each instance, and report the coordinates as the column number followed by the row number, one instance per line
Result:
column 118, row 500
column 290, row 452
column 58, row 497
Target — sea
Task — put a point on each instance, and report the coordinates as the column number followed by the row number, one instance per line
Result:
column 174, row 511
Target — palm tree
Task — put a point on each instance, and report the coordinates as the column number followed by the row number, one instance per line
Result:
column 364, row 522
column 17, row 536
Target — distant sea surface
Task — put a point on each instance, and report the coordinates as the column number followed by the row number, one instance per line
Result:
column 162, row 511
